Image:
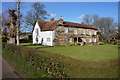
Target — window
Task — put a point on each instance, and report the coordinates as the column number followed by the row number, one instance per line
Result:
column 70, row 30
column 48, row 39
column 70, row 40
column 90, row 32
column 90, row 40
column 65, row 30
column 84, row 40
column 36, row 31
column 95, row 40
column 87, row 31
column 66, row 39
column 95, row 33
column 75, row 31
column 83, row 31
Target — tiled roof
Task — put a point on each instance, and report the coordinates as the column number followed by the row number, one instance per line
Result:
column 41, row 23
column 48, row 26
column 71, row 24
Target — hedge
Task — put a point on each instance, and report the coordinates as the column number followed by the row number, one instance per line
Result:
column 40, row 60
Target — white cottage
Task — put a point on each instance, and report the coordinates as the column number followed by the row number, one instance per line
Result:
column 45, row 33
column 42, row 37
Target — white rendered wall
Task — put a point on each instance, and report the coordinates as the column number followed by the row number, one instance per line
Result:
column 34, row 34
column 43, row 35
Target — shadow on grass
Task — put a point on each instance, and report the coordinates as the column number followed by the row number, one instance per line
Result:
column 36, row 46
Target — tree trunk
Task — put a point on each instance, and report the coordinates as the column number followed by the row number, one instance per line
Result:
column 11, row 40
column 18, row 21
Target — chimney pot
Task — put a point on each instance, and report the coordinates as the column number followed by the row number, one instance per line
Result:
column 61, row 18
column 52, row 19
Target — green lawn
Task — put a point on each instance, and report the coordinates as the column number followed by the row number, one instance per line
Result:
column 93, row 61
column 87, row 53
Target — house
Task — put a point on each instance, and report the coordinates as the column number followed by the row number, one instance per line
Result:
column 59, row 31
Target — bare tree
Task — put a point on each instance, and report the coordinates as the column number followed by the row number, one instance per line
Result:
column 4, row 27
column 4, row 19
column 119, row 28
column 105, row 25
column 90, row 19
column 0, row 23
column 87, row 19
column 12, row 28
column 95, row 19
column 37, row 12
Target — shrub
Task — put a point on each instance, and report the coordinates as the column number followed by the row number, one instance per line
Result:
column 25, row 40
column 101, row 43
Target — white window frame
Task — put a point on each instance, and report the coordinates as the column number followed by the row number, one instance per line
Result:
column 83, row 31
column 90, row 32
column 48, row 39
column 95, row 33
column 95, row 40
column 65, row 30
column 75, row 31
column 90, row 40
column 84, row 39
column 70, row 39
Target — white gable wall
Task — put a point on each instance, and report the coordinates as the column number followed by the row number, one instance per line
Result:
column 48, row 37
column 44, row 37
column 34, row 34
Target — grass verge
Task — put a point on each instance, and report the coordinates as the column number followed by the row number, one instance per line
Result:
column 24, row 68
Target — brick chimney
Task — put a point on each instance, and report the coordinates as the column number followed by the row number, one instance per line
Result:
column 52, row 19
column 61, row 20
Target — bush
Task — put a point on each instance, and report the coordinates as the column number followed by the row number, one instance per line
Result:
column 40, row 60
column 101, row 43
column 25, row 40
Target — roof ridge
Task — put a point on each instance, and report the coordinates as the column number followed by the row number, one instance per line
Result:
column 47, row 25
